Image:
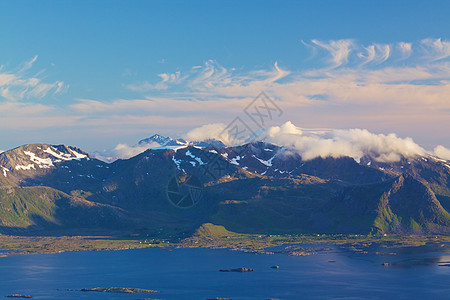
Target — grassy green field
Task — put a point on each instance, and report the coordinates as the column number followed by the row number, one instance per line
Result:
column 13, row 245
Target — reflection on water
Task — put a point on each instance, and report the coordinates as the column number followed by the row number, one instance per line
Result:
column 423, row 261
column 194, row 274
column 416, row 262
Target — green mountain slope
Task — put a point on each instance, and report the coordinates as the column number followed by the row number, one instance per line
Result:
column 24, row 209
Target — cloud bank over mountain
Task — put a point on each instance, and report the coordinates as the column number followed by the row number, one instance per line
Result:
column 125, row 151
column 442, row 152
column 354, row 143
column 310, row 143
column 208, row 132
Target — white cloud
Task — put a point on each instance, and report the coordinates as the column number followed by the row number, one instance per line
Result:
column 442, row 152
column 408, row 95
column 28, row 64
column 285, row 129
column 309, row 143
column 437, row 49
column 405, row 49
column 338, row 49
column 166, row 79
column 208, row 132
column 375, row 53
column 125, row 151
column 343, row 51
column 19, row 85
column 360, row 84
column 337, row 143
column 201, row 80
column 210, row 75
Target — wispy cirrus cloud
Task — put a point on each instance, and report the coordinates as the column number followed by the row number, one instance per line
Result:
column 436, row 49
column 383, row 86
column 19, row 85
column 338, row 49
column 405, row 49
column 375, row 53
column 400, row 87
column 166, row 80
column 343, row 52
column 211, row 75
column 417, row 84
column 215, row 81
column 28, row 64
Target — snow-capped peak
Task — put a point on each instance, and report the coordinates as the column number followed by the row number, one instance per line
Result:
column 38, row 156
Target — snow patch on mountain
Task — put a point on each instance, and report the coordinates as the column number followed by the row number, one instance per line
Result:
column 308, row 143
column 55, row 157
column 27, row 167
column 234, row 161
column 40, row 162
column 177, row 162
column 267, row 163
column 156, row 142
column 198, row 159
column 175, row 148
column 62, row 156
column 78, row 155
column 162, row 141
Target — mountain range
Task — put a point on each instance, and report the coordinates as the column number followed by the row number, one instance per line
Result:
column 253, row 188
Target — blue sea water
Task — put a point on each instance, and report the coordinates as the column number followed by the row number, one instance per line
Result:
column 194, row 274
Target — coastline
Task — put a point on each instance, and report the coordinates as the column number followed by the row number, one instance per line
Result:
column 216, row 238
column 25, row 245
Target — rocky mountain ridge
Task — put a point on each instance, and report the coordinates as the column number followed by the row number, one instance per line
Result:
column 164, row 141
column 257, row 187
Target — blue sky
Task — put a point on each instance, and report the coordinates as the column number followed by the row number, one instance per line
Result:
column 99, row 73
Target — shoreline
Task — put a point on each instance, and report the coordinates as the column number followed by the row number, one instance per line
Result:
column 267, row 245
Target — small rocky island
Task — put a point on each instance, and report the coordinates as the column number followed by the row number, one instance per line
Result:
column 119, row 290
column 237, row 270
